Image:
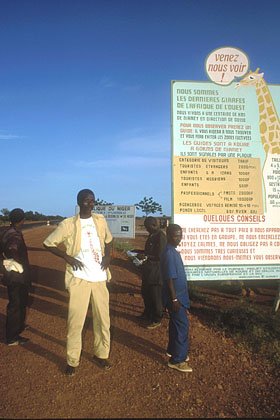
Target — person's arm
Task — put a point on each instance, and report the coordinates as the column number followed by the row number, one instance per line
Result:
column 107, row 257
column 13, row 253
column 157, row 247
column 75, row 264
column 175, row 302
column 52, row 242
column 160, row 245
column 108, row 242
column 140, row 253
column 145, row 254
column 14, row 248
column 170, row 272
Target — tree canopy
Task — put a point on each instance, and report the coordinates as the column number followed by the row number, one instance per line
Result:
column 99, row 202
column 148, row 205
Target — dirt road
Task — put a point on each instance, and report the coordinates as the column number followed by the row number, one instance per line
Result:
column 226, row 380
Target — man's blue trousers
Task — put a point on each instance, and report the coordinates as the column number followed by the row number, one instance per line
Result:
column 178, row 344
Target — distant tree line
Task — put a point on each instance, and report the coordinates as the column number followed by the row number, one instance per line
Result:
column 29, row 215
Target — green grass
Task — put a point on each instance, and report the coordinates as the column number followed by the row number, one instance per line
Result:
column 247, row 323
column 122, row 245
column 256, row 328
column 195, row 294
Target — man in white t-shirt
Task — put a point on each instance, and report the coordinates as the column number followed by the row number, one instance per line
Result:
column 88, row 242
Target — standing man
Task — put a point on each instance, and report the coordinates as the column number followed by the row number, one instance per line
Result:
column 176, row 300
column 88, row 242
column 151, row 274
column 16, row 271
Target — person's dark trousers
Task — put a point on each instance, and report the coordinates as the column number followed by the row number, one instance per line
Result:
column 146, row 298
column 152, row 297
column 16, row 310
column 156, row 295
column 178, row 336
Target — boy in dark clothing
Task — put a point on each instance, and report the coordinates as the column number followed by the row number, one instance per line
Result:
column 151, row 274
column 16, row 271
column 176, row 300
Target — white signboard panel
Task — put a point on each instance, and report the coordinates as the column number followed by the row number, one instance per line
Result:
column 120, row 219
column 226, row 175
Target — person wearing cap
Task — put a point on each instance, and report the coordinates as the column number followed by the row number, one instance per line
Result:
column 176, row 300
column 16, row 276
column 87, row 241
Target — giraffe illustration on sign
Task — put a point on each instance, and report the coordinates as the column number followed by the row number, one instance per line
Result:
column 268, row 119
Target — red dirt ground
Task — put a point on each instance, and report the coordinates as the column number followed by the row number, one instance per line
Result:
column 227, row 381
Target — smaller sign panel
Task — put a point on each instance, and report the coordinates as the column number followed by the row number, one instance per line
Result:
column 225, row 64
column 120, row 219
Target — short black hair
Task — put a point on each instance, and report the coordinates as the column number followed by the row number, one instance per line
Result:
column 172, row 228
column 82, row 195
column 150, row 221
column 16, row 215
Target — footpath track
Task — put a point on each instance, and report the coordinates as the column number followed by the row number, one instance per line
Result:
column 226, row 381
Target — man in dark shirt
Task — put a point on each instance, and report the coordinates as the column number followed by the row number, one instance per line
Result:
column 13, row 252
column 176, row 300
column 151, row 274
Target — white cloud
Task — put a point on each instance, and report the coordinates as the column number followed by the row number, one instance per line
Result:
column 127, row 162
column 4, row 136
column 105, row 82
column 135, row 151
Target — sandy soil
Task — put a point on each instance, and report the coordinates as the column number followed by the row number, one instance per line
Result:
column 226, row 381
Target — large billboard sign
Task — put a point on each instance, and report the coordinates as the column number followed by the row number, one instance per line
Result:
column 226, row 171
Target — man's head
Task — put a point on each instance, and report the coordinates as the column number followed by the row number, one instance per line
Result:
column 151, row 224
column 85, row 200
column 174, row 234
column 82, row 195
column 16, row 217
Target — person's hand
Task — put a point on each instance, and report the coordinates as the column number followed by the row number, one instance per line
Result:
column 176, row 306
column 105, row 262
column 140, row 256
column 75, row 264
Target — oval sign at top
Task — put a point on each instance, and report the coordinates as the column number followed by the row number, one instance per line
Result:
column 225, row 64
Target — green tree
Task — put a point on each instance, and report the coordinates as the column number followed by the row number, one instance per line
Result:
column 148, row 205
column 5, row 212
column 5, row 216
column 99, row 202
column 29, row 215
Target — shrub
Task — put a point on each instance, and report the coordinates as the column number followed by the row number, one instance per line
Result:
column 195, row 293
column 122, row 246
column 258, row 329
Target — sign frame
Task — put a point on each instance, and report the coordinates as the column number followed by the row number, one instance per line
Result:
column 206, row 271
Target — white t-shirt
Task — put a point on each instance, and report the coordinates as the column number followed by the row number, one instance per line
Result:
column 90, row 254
